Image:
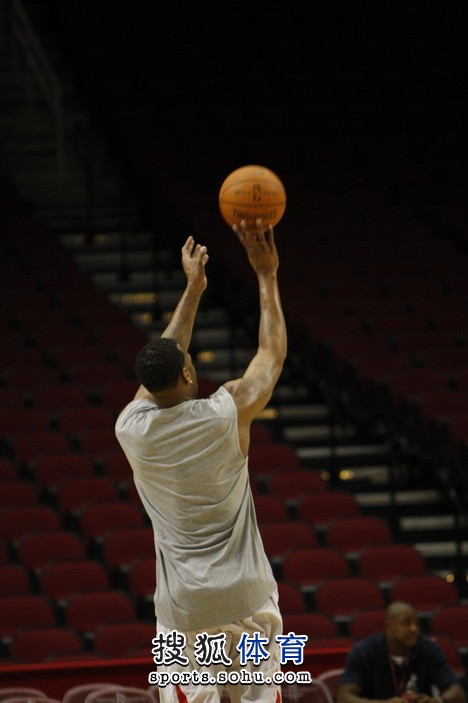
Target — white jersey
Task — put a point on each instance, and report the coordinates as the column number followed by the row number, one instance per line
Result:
column 192, row 477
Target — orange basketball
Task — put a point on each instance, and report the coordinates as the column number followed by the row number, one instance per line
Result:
column 251, row 192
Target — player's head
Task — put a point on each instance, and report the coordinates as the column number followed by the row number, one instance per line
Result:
column 160, row 364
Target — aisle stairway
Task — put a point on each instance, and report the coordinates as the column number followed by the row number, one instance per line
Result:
column 305, row 412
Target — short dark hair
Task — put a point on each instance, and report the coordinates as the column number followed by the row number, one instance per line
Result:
column 159, row 364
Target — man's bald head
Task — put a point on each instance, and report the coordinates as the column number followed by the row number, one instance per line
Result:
column 401, row 628
column 400, row 609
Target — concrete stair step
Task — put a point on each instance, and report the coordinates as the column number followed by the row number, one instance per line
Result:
column 427, row 523
column 134, row 280
column 350, row 456
column 404, row 499
column 361, row 477
column 206, row 319
column 310, row 413
column 49, row 191
column 288, row 392
column 314, row 435
column 94, row 262
column 146, row 300
column 107, row 241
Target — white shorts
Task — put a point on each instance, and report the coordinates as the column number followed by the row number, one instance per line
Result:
column 267, row 623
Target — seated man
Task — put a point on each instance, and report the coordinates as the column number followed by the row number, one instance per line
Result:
column 399, row 665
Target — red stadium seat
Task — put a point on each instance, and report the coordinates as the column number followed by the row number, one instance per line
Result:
column 342, row 597
column 48, row 471
column 384, row 563
column 50, row 335
column 116, row 394
column 441, row 404
column 15, row 421
column 271, row 457
column 121, row 546
column 73, row 494
column 306, row 568
column 291, row 601
column 12, row 398
column 28, row 378
column 85, row 612
column 65, row 357
column 425, row 592
column 14, row 580
column 74, row 421
column 292, row 486
column 4, row 555
column 99, row 443
column 269, row 508
column 452, row 652
column 36, row 550
column 17, row 494
column 142, row 584
column 93, row 378
column 452, row 621
column 54, row 399
column 406, row 384
column 206, row 386
column 119, row 640
column 116, row 467
column 314, row 625
column 282, row 538
column 39, row 644
column 339, row 642
column 259, row 433
column 7, row 469
column 109, row 333
column 16, row 522
column 59, row 580
column 91, row 316
column 97, row 520
column 367, row 622
column 31, row 446
column 30, row 610
column 327, row 506
column 353, row 534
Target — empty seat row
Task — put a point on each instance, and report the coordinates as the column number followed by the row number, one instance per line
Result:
column 52, row 399
column 119, row 547
column 104, row 625
column 84, row 612
column 54, row 642
column 340, row 597
column 95, row 520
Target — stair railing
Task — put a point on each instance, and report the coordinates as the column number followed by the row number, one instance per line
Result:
column 38, row 67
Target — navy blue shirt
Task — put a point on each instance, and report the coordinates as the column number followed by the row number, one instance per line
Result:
column 368, row 665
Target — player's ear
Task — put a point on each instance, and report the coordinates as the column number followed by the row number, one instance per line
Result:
column 186, row 375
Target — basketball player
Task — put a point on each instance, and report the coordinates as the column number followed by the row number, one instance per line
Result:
column 216, row 598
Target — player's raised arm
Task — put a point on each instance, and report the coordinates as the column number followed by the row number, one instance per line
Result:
column 252, row 392
column 180, row 326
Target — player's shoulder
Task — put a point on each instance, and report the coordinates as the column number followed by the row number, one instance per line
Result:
column 134, row 407
column 221, row 399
